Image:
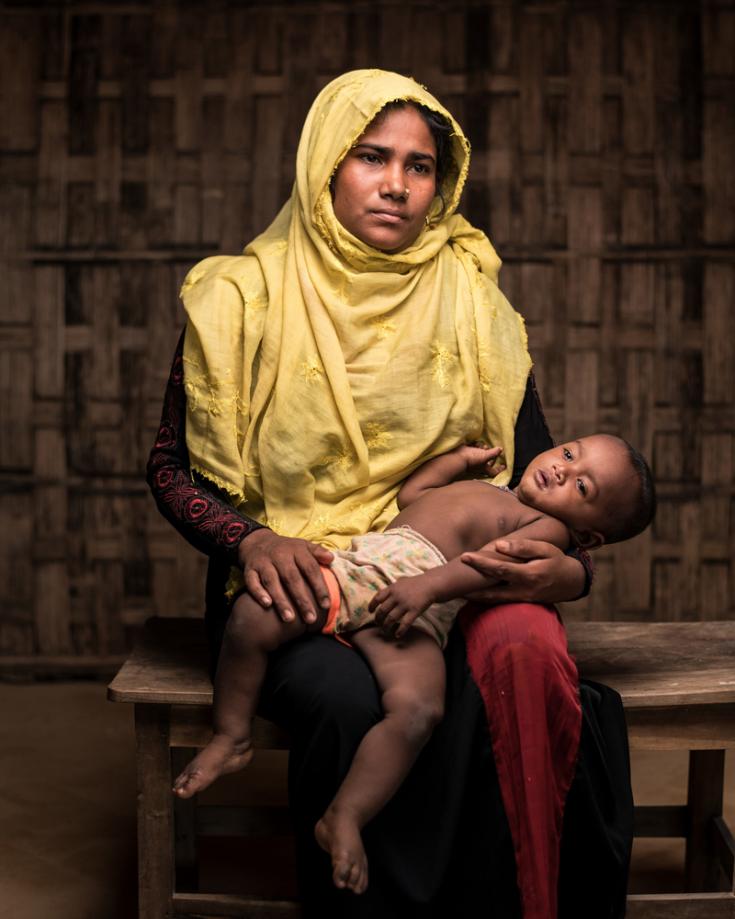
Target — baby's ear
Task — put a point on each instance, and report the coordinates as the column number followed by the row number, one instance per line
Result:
column 589, row 539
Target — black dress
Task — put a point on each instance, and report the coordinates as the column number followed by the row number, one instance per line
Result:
column 443, row 845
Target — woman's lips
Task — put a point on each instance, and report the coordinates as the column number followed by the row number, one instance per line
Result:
column 391, row 217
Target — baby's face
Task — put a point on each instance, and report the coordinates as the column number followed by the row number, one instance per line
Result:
column 581, row 483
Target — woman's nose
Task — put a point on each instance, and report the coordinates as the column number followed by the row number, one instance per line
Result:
column 394, row 185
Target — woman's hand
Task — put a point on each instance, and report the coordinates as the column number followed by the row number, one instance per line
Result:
column 531, row 571
column 284, row 572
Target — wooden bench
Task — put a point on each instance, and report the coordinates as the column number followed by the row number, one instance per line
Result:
column 677, row 681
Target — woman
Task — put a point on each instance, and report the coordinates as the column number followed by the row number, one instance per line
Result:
column 362, row 333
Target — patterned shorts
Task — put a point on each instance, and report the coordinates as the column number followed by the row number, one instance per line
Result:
column 371, row 563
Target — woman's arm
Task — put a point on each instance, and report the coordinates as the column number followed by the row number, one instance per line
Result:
column 202, row 516
column 277, row 570
column 531, row 570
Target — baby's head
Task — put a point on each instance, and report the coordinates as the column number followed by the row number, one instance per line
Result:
column 599, row 486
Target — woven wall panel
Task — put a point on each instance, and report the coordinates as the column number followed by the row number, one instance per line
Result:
column 136, row 138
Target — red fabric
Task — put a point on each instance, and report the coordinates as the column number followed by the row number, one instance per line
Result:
column 518, row 657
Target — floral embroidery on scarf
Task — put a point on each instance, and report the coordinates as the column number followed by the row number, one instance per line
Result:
column 377, row 436
column 442, row 359
column 311, row 369
column 383, row 327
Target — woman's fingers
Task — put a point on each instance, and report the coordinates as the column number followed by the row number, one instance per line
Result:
column 322, row 555
column 526, row 548
column 284, row 606
column 529, row 570
column 286, row 571
column 297, row 588
column 256, row 589
column 312, row 574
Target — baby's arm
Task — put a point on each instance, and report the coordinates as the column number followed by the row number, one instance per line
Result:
column 441, row 470
column 398, row 605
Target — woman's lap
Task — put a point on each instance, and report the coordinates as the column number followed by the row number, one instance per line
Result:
column 444, row 841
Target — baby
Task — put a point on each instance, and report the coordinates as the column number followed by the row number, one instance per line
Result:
column 394, row 597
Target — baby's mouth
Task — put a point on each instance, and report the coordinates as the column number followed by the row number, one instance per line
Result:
column 542, row 480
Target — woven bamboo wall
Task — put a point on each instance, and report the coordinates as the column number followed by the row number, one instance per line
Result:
column 136, row 138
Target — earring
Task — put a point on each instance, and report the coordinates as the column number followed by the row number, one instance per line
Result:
column 427, row 221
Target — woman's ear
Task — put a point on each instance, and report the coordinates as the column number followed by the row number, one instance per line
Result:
column 589, row 539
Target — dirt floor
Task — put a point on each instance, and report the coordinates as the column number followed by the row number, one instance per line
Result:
column 67, row 808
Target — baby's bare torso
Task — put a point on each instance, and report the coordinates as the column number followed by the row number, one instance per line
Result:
column 464, row 516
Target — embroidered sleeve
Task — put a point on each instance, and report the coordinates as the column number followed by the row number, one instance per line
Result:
column 201, row 514
column 532, row 436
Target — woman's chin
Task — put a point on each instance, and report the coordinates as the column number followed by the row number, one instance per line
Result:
column 387, row 239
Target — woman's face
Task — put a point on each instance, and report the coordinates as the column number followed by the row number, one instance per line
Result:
column 384, row 187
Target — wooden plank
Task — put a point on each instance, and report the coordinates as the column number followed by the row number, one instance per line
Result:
column 192, row 727
column 681, row 906
column 658, row 664
column 704, row 799
column 585, row 228
column 671, row 40
column 707, row 726
column 585, row 81
column 651, row 664
column 638, row 76
column 51, row 607
column 16, row 400
column 719, row 333
column 69, row 666
column 185, row 828
column 19, row 69
column 155, row 822
column 52, row 156
column 84, row 71
column 108, row 172
column 135, row 44
column 531, row 82
column 16, row 573
column 725, row 845
column 200, row 904
column 581, row 401
column 188, row 81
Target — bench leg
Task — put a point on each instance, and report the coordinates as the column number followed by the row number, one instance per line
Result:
column 155, row 830
column 706, row 781
column 185, row 841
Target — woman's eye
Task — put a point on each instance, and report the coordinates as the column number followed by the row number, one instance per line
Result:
column 371, row 158
column 582, row 487
column 566, row 454
column 419, row 168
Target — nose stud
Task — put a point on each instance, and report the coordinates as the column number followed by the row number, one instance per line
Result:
column 406, row 192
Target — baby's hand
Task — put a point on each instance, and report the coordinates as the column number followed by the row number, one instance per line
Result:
column 481, row 458
column 397, row 606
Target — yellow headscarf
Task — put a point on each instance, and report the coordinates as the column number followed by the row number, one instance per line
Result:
column 319, row 371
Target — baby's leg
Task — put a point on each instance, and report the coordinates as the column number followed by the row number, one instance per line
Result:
column 412, row 678
column 251, row 634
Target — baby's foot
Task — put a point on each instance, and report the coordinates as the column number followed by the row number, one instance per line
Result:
column 221, row 755
column 339, row 834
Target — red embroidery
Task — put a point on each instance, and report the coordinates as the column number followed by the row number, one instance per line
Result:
column 208, row 521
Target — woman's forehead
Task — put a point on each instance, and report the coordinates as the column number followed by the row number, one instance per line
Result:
column 404, row 125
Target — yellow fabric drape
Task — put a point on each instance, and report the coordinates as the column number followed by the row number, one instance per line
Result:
column 319, row 371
